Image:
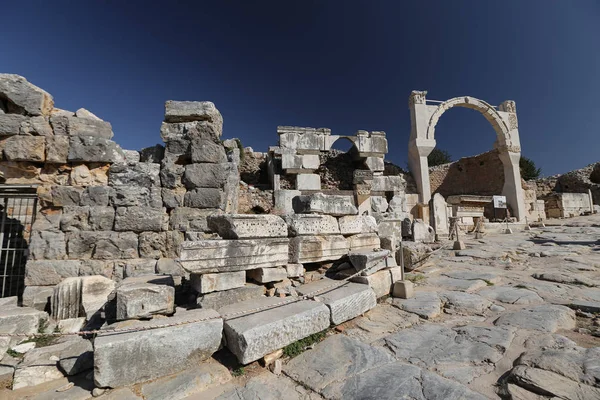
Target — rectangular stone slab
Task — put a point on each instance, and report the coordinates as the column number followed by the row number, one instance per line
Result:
column 207, row 283
column 254, row 335
column 205, row 256
column 242, row 226
column 345, row 302
column 310, row 249
column 133, row 357
column 380, row 282
column 312, row 224
column 364, row 242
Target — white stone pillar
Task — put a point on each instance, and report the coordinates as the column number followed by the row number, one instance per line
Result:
column 512, row 183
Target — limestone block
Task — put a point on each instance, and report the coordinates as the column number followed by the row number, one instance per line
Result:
column 37, row 297
column 132, row 157
column 354, row 224
column 57, row 149
column 138, row 175
column 364, row 242
column 188, row 111
column 403, row 289
column 186, row 219
column 303, row 140
column 137, row 299
column 206, row 256
column 217, row 300
column 152, row 154
column 20, row 172
column 49, row 272
column 168, row 266
column 319, row 203
column 207, row 283
column 10, row 124
column 294, row 270
column 24, row 148
column 412, row 253
column 40, row 365
column 102, row 245
column 130, row 196
column 24, row 97
column 91, row 174
column 72, row 325
column 311, row 161
column 207, row 151
column 308, row 182
column 379, row 204
column 95, row 196
column 440, row 214
column 284, row 200
column 204, row 198
column 98, row 267
column 373, row 145
column 101, row 218
column 291, row 162
column 89, row 127
column 37, row 126
column 48, row 245
column 244, row 226
column 380, row 282
column 205, row 175
column 152, row 244
column 170, row 175
column 76, row 356
column 162, row 351
column 375, row 163
column 94, row 149
column 390, row 228
column 265, row 275
column 422, row 232
column 138, row 267
column 388, row 184
column 81, row 296
column 173, row 198
column 369, row 262
column 345, row 302
column 254, row 335
column 18, row 320
column 310, row 249
column 307, row 224
column 140, row 219
column 75, row 218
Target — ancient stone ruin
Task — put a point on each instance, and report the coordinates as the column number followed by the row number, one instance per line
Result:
column 165, row 255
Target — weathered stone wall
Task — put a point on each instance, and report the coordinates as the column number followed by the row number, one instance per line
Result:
column 481, row 175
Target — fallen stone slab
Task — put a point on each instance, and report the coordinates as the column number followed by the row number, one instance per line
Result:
column 243, row 226
column 572, row 279
column 355, row 224
column 545, row 318
column 9, row 301
column 208, row 256
column 464, row 285
column 364, row 242
column 380, row 282
column 19, row 320
column 344, row 302
column 311, row 249
column 253, row 335
column 312, row 224
column 217, row 300
column 206, row 283
column 465, row 303
column 511, row 295
column 186, row 383
column 77, row 357
column 370, row 262
column 294, row 270
column 162, row 351
column 82, row 296
column 265, row 275
column 139, row 297
column 318, row 203
column 413, row 253
column 426, row 305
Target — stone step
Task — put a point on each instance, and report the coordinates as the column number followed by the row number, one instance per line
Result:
column 344, row 302
column 256, row 334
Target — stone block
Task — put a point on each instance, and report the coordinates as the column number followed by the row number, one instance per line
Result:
column 303, row 140
column 138, row 267
column 370, row 262
column 81, row 296
column 57, row 149
column 37, row 297
column 162, row 351
column 94, row 149
column 207, row 283
column 10, row 124
column 170, row 175
column 140, row 219
column 318, row 203
column 375, row 164
column 290, row 161
column 206, row 175
column 311, row 161
column 23, row 97
column 145, row 175
column 355, row 224
column 9, row 301
column 168, row 266
column 204, row 198
column 403, row 289
column 188, row 111
column 379, row 204
column 284, row 200
column 48, row 245
column 134, row 196
column 153, row 154
column 173, row 198
column 207, row 151
column 41, row 365
column 102, row 245
column 18, row 320
column 307, row 224
column 412, row 253
column 101, row 218
column 243, row 226
column 217, row 300
column 24, row 148
column 49, row 272
column 380, row 282
column 206, row 256
column 308, row 182
column 344, row 302
column 95, row 196
column 422, row 232
column 254, row 335
column 364, row 242
column 265, row 275
column 310, row 249
column 294, row 270
column 89, row 127
column 77, row 356
column 137, row 299
column 388, row 184
column 186, row 219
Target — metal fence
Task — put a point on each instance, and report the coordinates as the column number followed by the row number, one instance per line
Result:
column 18, row 204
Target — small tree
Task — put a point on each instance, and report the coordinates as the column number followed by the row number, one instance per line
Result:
column 528, row 169
column 438, row 157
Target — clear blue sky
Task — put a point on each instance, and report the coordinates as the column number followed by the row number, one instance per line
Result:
column 346, row 65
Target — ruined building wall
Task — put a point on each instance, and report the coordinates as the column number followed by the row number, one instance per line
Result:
column 480, row 175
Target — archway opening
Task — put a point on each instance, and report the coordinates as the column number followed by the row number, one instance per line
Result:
column 338, row 164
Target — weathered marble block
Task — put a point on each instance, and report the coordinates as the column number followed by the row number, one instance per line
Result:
column 80, row 297
column 318, row 203
column 380, row 282
column 310, row 249
column 369, row 262
column 355, row 224
column 205, row 256
column 265, row 275
column 308, row 224
column 243, row 226
column 308, row 182
column 207, row 283
column 139, row 298
column 217, row 300
column 256, row 334
column 364, row 242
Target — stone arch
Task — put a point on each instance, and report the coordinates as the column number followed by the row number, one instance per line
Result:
column 337, row 138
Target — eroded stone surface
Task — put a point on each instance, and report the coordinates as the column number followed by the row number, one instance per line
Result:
column 425, row 304
column 546, row 318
